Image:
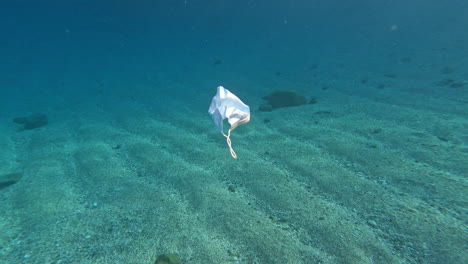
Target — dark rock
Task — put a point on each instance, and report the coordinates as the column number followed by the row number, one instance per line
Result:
column 231, row 188
column 118, row 146
column 9, row 179
column 32, row 121
column 168, row 259
column 443, row 139
column 285, row 98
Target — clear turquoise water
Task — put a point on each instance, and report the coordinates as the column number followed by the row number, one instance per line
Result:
column 126, row 88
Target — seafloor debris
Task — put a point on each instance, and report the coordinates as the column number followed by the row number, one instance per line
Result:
column 282, row 98
column 32, row 121
column 9, row 179
column 167, row 259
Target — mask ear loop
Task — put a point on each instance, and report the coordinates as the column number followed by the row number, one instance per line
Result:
column 228, row 136
column 229, row 143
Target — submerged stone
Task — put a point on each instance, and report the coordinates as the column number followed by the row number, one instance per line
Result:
column 9, row 179
column 32, row 121
column 285, row 98
column 168, row 259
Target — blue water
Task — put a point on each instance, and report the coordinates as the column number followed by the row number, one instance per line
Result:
column 126, row 86
column 181, row 41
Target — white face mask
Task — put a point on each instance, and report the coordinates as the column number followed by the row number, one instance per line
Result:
column 226, row 105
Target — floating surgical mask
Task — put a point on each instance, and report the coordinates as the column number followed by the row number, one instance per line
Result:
column 226, row 105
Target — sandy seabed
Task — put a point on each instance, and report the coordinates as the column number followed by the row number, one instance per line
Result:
column 375, row 177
